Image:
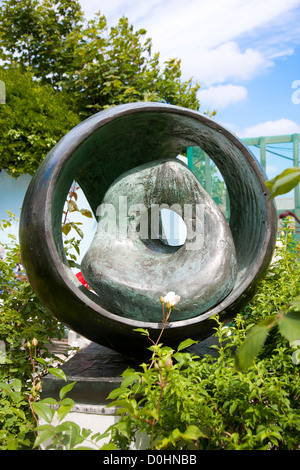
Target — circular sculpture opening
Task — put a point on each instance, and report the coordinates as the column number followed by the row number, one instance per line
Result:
column 174, row 230
column 99, row 152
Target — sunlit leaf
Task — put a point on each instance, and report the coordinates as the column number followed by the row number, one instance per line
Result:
column 86, row 213
column 284, row 182
column 57, row 373
column 43, row 411
column 64, row 390
column 253, row 343
column 186, row 344
column 296, row 302
column 66, row 228
column 289, row 326
column 43, row 436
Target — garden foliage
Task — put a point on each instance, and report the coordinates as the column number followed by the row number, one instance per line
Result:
column 58, row 68
column 32, row 120
column 177, row 400
column 245, row 398
column 22, row 319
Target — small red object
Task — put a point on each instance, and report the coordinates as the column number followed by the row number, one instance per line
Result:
column 81, row 279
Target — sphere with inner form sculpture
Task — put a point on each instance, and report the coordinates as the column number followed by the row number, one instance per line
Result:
column 100, row 154
column 129, row 264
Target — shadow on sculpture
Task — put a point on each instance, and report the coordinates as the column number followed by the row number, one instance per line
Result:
column 124, row 159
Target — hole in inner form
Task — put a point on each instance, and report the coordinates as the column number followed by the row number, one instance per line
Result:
column 167, row 231
column 173, row 228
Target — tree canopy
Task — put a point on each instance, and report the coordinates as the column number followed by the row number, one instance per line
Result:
column 32, row 120
column 60, row 68
column 99, row 66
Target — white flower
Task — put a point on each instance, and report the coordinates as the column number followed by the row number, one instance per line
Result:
column 170, row 299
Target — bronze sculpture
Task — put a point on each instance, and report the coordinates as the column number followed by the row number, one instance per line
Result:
column 97, row 154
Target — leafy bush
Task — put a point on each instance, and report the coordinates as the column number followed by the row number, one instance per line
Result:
column 178, row 400
column 183, row 401
column 33, row 120
column 22, row 319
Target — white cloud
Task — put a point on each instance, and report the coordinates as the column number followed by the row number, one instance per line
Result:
column 225, row 62
column 280, row 127
column 221, row 96
column 206, row 34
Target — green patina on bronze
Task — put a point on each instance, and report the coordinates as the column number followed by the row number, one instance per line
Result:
column 95, row 154
column 130, row 266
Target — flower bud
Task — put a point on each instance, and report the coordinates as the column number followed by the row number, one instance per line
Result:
column 168, row 364
column 35, row 342
column 28, row 344
column 38, row 386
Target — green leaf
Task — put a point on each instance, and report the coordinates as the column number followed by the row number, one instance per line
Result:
column 67, row 402
column 72, row 206
column 186, row 344
column 283, row 183
column 129, row 379
column 12, row 444
column 67, row 388
column 115, row 393
column 86, row 213
column 78, row 230
column 296, row 357
column 43, row 411
column 289, row 326
column 109, row 447
column 20, row 413
column 58, row 373
column 41, row 361
column 142, row 331
column 49, row 401
column 253, row 343
column 63, row 411
column 5, row 387
column 66, row 228
column 17, row 385
column 296, row 302
column 86, row 432
column 192, row 433
column 73, row 431
column 43, row 436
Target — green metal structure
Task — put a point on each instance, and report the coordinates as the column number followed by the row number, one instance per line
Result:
column 266, row 146
column 263, row 143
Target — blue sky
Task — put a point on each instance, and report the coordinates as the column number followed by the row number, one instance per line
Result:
column 244, row 53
